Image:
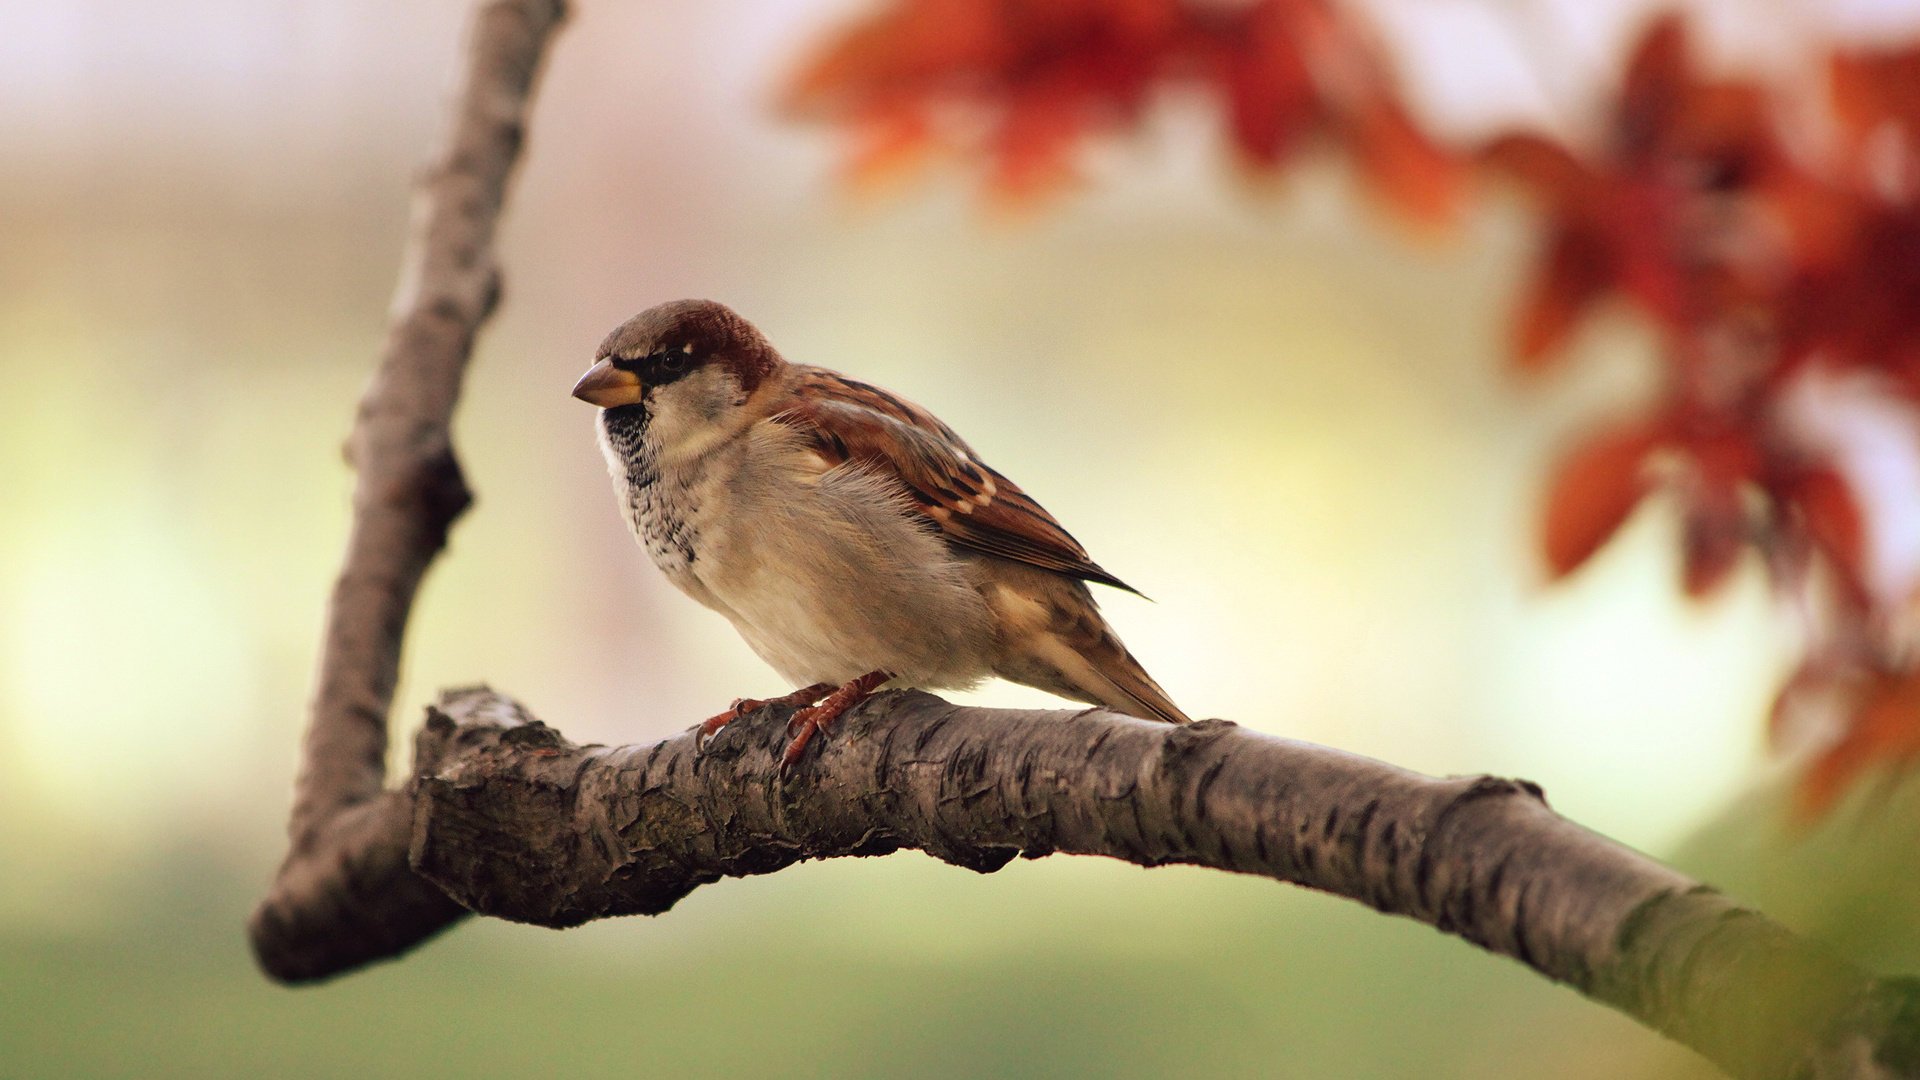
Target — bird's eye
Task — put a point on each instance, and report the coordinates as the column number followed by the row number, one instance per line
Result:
column 673, row 363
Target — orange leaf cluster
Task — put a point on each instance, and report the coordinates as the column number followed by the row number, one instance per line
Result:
column 1759, row 263
column 1026, row 83
column 1759, row 259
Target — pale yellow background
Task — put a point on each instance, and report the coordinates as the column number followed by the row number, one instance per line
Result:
column 1270, row 407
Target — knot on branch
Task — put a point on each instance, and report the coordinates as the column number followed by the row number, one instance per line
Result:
column 462, row 720
column 434, row 489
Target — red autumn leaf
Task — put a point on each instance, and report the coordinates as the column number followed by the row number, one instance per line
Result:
column 1648, row 216
column 1820, row 221
column 891, row 144
column 1715, row 527
column 1832, row 515
column 1406, row 169
column 1658, row 79
column 1864, row 308
column 1575, row 273
column 1033, row 148
column 1592, row 492
column 1711, row 540
column 1872, row 87
column 1268, row 90
column 1884, row 729
column 895, row 54
column 1017, row 82
column 1653, row 264
column 1546, row 168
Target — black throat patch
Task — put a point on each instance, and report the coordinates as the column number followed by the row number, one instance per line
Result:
column 626, row 428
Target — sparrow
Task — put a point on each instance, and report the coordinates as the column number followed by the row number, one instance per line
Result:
column 848, row 535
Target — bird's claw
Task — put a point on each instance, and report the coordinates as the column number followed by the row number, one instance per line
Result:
column 801, row 726
column 805, row 696
column 704, row 731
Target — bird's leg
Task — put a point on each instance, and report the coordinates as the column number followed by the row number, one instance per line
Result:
column 816, row 717
column 806, row 695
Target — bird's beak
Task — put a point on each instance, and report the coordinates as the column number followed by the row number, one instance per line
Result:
column 607, row 386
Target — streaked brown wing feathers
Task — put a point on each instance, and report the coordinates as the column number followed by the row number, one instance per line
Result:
column 974, row 506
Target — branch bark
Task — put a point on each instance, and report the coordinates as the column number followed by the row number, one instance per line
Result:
column 504, row 817
column 408, row 494
column 510, row 820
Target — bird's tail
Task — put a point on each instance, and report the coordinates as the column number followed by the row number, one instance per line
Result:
column 1056, row 639
column 1098, row 668
column 1129, row 688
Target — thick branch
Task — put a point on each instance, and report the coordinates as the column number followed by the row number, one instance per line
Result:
column 408, row 493
column 513, row 821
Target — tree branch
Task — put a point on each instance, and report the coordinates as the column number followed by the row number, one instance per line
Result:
column 511, row 820
column 408, row 494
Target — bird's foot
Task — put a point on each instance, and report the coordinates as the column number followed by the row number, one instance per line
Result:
column 816, row 717
column 806, row 695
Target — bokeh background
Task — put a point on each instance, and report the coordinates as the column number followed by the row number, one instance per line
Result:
column 1276, row 412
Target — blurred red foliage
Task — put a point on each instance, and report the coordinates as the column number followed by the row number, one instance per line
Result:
column 1764, row 262
column 1024, row 83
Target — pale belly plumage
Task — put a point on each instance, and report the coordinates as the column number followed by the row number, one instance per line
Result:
column 822, row 571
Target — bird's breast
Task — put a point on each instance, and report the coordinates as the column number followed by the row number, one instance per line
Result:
column 663, row 506
column 823, row 571
column 665, row 510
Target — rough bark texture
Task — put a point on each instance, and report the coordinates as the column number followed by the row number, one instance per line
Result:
column 511, row 820
column 503, row 817
column 344, row 886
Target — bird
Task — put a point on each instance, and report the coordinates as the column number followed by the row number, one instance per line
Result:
column 851, row 538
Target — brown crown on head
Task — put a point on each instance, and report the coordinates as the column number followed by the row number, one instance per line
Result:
column 715, row 332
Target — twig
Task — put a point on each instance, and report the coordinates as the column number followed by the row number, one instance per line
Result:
column 408, row 494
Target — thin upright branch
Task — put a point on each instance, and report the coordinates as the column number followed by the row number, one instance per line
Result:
column 409, row 489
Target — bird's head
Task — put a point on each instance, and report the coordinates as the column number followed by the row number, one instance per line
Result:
column 689, row 363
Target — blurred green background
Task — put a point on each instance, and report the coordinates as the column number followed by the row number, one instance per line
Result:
column 1280, row 415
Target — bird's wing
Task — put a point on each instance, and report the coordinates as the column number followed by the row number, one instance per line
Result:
column 973, row 506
